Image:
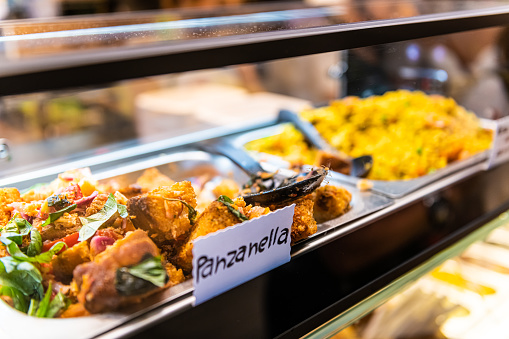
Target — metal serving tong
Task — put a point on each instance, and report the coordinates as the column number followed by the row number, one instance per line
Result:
column 340, row 162
column 267, row 188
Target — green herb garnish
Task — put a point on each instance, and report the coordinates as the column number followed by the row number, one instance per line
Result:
column 47, row 308
column 21, row 275
column 42, row 306
column 54, row 216
column 150, row 269
column 12, row 237
column 15, row 229
column 191, row 212
column 35, row 246
column 122, row 210
column 17, row 254
column 91, row 224
column 228, row 203
column 19, row 299
column 59, row 302
column 141, row 278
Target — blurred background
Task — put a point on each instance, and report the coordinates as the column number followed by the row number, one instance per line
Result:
column 54, row 126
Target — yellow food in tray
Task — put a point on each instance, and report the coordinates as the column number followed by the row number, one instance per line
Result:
column 409, row 134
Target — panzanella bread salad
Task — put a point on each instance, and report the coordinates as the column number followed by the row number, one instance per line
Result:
column 76, row 247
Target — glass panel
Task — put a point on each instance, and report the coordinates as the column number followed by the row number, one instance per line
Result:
column 29, row 38
column 470, row 67
column 52, row 126
column 406, row 281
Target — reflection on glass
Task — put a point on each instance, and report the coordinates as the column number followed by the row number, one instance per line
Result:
column 21, row 39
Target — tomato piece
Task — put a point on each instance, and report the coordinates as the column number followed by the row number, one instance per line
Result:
column 73, row 192
column 69, row 240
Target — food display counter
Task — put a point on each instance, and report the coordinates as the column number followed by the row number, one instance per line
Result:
column 392, row 233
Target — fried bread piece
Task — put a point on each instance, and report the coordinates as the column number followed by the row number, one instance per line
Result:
column 303, row 224
column 74, row 311
column 34, row 195
column 96, row 280
column 215, row 217
column 65, row 263
column 67, row 224
column 176, row 275
column 331, row 202
column 131, row 190
column 97, row 204
column 152, row 179
column 7, row 196
column 227, row 187
column 165, row 221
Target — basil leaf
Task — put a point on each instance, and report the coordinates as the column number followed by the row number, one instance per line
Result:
column 91, row 224
column 19, row 299
column 59, row 302
column 13, row 248
column 17, row 254
column 35, row 246
column 34, row 306
column 122, row 211
column 22, row 276
column 15, row 229
column 191, row 212
column 47, row 308
column 48, row 255
column 228, row 203
column 43, row 306
column 54, row 216
column 150, row 270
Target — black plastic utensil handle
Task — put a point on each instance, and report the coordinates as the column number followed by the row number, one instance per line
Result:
column 237, row 155
column 307, row 129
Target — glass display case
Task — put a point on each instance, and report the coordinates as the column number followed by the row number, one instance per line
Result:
column 122, row 93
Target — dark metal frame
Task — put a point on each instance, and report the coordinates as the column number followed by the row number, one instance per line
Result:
column 104, row 66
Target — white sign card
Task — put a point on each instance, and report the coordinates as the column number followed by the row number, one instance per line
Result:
column 230, row 257
column 500, row 149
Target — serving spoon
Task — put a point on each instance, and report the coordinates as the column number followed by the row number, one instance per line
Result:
column 269, row 188
column 356, row 167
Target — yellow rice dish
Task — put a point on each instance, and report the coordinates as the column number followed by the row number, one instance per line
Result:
column 409, row 134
